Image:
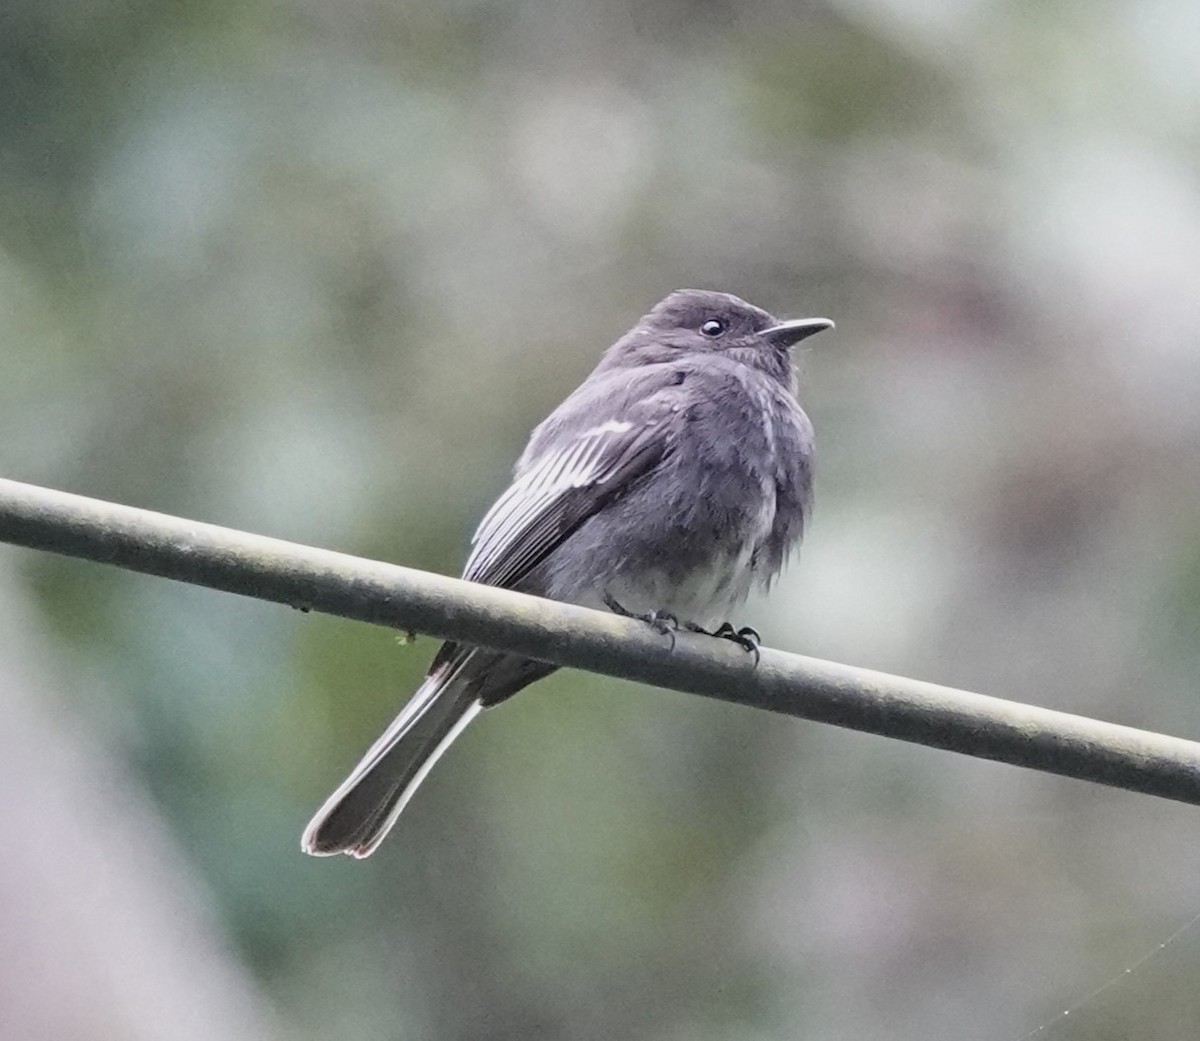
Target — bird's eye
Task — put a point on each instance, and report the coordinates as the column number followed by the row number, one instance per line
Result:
column 713, row 327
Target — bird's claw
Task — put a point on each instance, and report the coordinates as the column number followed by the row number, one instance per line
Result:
column 662, row 622
column 746, row 637
column 613, row 605
column 666, row 624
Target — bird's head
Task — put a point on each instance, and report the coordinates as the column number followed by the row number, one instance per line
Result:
column 698, row 321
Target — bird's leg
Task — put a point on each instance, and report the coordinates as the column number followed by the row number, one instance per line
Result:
column 746, row 637
column 663, row 622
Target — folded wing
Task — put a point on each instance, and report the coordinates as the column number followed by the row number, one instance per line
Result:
column 564, row 485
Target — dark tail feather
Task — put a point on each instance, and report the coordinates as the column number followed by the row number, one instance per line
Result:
column 355, row 818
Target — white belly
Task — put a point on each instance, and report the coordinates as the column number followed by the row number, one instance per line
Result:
column 706, row 597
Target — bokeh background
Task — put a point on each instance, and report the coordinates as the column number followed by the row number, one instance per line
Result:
column 314, row 268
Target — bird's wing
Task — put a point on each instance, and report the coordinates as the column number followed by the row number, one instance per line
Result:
column 567, row 482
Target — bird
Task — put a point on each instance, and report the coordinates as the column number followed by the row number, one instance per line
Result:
column 672, row 481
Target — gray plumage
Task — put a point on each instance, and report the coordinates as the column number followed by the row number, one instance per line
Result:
column 673, row 480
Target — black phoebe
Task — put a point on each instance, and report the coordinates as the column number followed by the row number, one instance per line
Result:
column 674, row 479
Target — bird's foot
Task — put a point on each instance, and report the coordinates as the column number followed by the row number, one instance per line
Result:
column 746, row 637
column 662, row 622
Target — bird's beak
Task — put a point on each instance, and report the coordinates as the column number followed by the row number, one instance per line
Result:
column 787, row 333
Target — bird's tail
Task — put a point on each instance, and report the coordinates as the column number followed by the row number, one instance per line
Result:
column 355, row 818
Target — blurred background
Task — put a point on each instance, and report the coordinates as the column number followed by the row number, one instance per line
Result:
column 315, row 268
